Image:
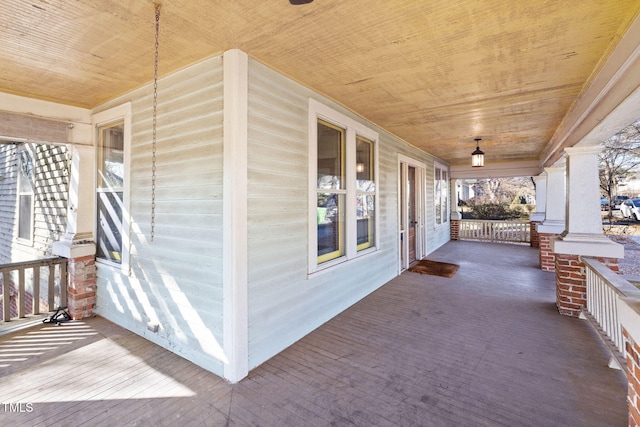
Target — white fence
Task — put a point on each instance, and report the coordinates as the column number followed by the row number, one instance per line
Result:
column 604, row 289
column 495, row 231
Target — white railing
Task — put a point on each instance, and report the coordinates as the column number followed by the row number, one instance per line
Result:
column 21, row 283
column 604, row 288
column 495, row 231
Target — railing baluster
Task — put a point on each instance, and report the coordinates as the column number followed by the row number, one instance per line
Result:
column 63, row 284
column 21, row 293
column 6, row 296
column 36, row 290
column 52, row 287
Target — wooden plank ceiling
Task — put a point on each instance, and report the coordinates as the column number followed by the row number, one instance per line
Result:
column 437, row 73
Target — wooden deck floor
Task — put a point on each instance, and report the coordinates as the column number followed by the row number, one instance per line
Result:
column 484, row 348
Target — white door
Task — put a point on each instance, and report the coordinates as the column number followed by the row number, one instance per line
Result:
column 411, row 234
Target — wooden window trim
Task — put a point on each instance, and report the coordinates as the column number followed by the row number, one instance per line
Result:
column 353, row 129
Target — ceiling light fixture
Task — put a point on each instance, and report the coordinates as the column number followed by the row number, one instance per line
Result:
column 477, row 157
column 297, row 2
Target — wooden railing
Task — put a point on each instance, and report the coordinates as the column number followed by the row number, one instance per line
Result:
column 495, row 231
column 604, row 288
column 22, row 283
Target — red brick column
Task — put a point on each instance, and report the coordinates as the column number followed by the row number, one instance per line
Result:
column 571, row 282
column 547, row 257
column 535, row 238
column 81, row 294
column 632, row 354
column 455, row 229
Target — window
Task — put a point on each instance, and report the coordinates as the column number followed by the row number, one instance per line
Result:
column 25, row 193
column 343, row 188
column 112, row 142
column 331, row 191
column 109, row 191
column 440, row 193
column 365, row 193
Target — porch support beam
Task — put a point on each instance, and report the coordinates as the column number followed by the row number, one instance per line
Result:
column 78, row 244
column 235, row 190
column 554, row 213
column 583, row 235
column 456, row 216
column 455, row 199
column 536, row 218
column 541, row 198
column 555, row 203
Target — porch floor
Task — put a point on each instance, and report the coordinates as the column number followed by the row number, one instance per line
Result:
column 484, row 348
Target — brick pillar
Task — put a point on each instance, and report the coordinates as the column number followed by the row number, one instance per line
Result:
column 547, row 257
column 571, row 282
column 81, row 294
column 535, row 239
column 455, row 229
column 632, row 354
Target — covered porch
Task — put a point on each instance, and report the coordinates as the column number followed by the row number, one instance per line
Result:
column 486, row 347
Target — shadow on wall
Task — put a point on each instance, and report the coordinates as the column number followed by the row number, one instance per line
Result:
column 167, row 302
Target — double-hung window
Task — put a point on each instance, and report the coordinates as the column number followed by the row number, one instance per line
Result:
column 342, row 187
column 109, row 191
column 440, row 192
column 113, row 139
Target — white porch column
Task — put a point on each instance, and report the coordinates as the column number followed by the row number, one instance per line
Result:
column 541, row 198
column 583, row 235
column 78, row 245
column 234, row 236
column 536, row 218
column 555, row 203
column 79, row 233
column 455, row 198
column 554, row 212
column 454, row 224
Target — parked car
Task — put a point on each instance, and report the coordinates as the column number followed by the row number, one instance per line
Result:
column 631, row 209
column 618, row 201
column 604, row 203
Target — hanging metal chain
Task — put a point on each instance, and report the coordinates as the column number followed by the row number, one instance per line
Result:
column 154, row 125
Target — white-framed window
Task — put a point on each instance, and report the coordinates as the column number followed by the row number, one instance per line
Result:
column 440, row 193
column 113, row 140
column 26, row 193
column 343, row 190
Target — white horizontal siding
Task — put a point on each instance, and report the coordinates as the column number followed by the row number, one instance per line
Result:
column 8, row 198
column 284, row 302
column 49, row 216
column 176, row 280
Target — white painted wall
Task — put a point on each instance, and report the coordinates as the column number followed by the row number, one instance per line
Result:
column 176, row 280
column 8, row 198
column 285, row 303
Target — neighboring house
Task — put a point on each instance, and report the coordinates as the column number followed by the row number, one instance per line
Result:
column 34, row 186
